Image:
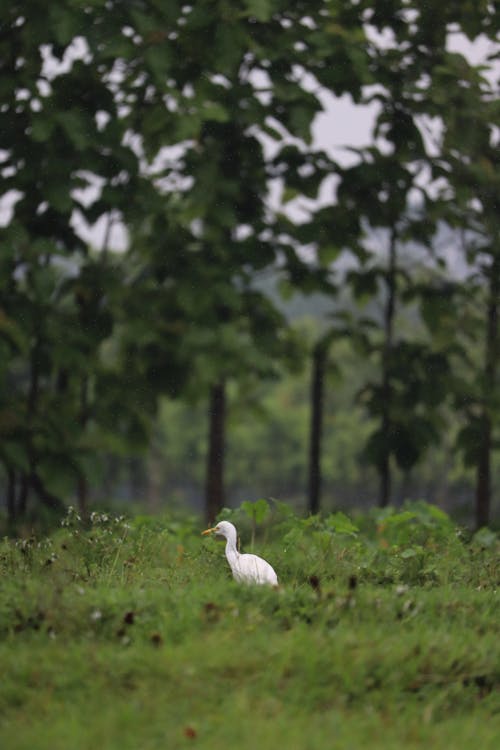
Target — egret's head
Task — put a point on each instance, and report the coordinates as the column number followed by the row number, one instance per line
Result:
column 223, row 528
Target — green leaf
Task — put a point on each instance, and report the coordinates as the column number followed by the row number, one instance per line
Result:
column 159, row 60
column 257, row 510
column 289, row 194
column 59, row 197
column 328, row 253
column 271, row 132
column 406, row 554
column 300, row 121
column 76, row 128
column 66, row 23
column 42, row 128
column 485, row 538
column 11, row 331
column 14, row 454
column 215, row 111
column 341, row 524
column 260, row 9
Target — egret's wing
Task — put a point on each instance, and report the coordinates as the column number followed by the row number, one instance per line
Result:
column 253, row 569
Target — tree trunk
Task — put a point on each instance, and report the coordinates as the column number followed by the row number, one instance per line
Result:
column 82, row 486
column 22, row 499
column 82, row 491
column 384, row 467
column 483, row 469
column 214, row 488
column 154, row 469
column 385, row 480
column 26, row 478
column 11, row 496
column 46, row 497
column 483, row 474
column 316, row 427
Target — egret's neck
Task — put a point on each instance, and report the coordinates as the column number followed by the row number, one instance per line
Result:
column 231, row 549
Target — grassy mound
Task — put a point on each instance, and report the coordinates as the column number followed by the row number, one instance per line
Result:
column 132, row 634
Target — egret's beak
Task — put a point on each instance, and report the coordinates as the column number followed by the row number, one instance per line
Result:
column 208, row 531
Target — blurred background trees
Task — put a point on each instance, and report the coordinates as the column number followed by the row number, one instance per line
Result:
column 174, row 242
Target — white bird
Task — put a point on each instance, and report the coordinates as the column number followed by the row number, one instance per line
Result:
column 246, row 568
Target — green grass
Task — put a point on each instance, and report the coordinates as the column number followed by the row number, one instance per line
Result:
column 135, row 636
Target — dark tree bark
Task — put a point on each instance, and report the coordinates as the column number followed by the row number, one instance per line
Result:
column 483, row 468
column 22, row 498
column 11, row 495
column 82, row 489
column 46, row 497
column 214, row 487
column 389, row 311
column 26, row 477
column 483, row 473
column 319, row 360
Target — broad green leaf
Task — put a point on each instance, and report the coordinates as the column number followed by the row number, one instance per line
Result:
column 341, row 524
column 12, row 332
column 258, row 510
column 75, row 126
column 261, row 9
column 290, row 194
column 65, row 22
column 215, row 111
column 42, row 127
column 58, row 196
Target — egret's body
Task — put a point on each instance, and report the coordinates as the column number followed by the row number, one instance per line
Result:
column 245, row 568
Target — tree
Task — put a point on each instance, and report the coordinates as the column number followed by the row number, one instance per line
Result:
column 175, row 120
column 319, row 368
column 64, row 139
column 246, row 90
column 386, row 193
column 467, row 167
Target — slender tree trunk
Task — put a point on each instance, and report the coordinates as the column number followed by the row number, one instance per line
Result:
column 483, row 474
column 492, row 353
column 46, row 497
column 26, row 478
column 319, row 359
column 22, row 499
column 137, row 479
column 31, row 479
column 385, row 463
column 154, row 478
column 82, row 491
column 11, row 496
column 214, row 488
column 82, row 487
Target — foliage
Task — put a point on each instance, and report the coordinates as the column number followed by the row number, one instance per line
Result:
column 91, row 101
column 176, row 122
column 267, row 437
column 469, row 159
column 267, row 446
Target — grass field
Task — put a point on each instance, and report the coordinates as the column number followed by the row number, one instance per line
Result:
column 131, row 635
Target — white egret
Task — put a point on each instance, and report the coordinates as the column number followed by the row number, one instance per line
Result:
column 245, row 568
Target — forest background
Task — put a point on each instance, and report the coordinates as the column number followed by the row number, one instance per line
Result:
column 279, row 323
